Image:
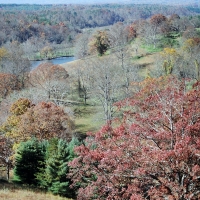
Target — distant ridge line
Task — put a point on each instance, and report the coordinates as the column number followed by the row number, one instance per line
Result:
column 57, row 2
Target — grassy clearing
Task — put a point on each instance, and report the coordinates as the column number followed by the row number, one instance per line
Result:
column 145, row 63
column 151, row 49
column 10, row 191
column 135, row 58
column 88, row 118
column 6, row 194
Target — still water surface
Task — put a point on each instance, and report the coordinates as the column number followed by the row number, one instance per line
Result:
column 60, row 60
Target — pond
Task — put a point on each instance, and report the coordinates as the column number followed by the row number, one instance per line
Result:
column 60, row 60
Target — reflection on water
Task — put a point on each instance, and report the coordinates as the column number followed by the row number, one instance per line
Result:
column 60, row 60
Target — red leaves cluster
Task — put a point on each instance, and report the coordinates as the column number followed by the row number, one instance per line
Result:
column 44, row 121
column 196, row 41
column 153, row 154
column 157, row 19
column 132, row 31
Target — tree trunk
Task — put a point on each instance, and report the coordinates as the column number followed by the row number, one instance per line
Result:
column 8, row 171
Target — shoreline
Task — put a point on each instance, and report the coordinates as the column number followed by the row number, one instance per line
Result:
column 51, row 58
column 55, row 61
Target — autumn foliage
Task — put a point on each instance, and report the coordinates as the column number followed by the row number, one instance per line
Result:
column 100, row 43
column 170, row 56
column 153, row 153
column 47, row 72
column 157, row 19
column 8, row 83
column 42, row 121
column 132, row 31
column 3, row 53
column 46, row 120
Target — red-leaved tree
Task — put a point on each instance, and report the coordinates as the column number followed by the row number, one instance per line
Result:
column 153, row 154
column 45, row 121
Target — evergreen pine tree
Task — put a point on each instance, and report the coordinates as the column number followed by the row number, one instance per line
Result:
column 59, row 153
column 29, row 161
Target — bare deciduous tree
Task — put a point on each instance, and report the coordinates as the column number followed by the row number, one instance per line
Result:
column 52, row 79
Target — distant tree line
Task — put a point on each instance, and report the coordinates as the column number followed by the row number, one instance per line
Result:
column 60, row 23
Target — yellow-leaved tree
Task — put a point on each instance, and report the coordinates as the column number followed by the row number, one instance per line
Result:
column 10, row 128
column 3, row 53
column 170, row 56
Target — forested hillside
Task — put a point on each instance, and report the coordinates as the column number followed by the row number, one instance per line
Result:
column 60, row 23
column 40, row 29
column 122, row 121
column 183, row 2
